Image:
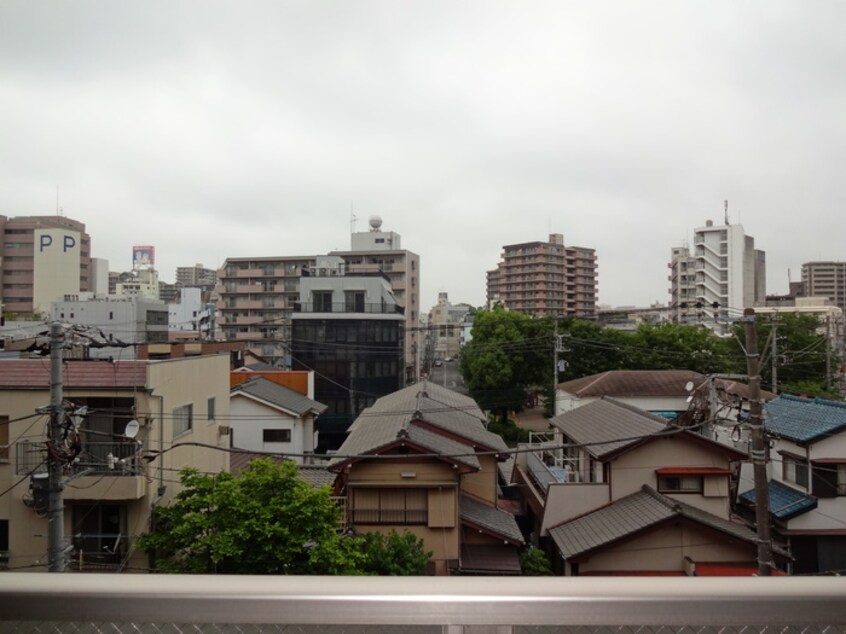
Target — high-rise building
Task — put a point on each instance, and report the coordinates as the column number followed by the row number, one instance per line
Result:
column 347, row 327
column 545, row 278
column 257, row 295
column 42, row 258
column 724, row 274
column 445, row 327
column 196, row 277
column 256, row 298
column 825, row 279
column 377, row 250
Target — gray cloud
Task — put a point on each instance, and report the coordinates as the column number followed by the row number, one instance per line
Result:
column 214, row 129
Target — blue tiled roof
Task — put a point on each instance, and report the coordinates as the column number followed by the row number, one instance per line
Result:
column 804, row 419
column 785, row 501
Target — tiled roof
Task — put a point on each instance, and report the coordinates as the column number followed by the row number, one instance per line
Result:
column 278, row 395
column 314, row 475
column 785, row 501
column 489, row 518
column 607, row 421
column 632, row 383
column 35, row 374
column 490, row 559
column 804, row 419
column 394, row 417
column 631, row 514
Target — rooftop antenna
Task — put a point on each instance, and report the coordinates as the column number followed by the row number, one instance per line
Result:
column 58, row 209
column 352, row 218
column 726, row 204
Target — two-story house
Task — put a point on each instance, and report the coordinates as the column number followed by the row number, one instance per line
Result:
column 134, row 425
column 614, row 490
column 268, row 417
column 421, row 460
column 807, row 485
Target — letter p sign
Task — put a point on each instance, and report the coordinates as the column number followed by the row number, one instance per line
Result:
column 46, row 241
column 69, row 243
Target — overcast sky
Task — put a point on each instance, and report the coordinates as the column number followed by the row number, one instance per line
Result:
column 221, row 129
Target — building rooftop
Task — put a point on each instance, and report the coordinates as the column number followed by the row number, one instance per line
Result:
column 804, row 420
column 35, row 374
column 278, row 396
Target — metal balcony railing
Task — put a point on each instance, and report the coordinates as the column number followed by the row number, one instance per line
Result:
column 43, row 602
column 348, row 307
column 95, row 458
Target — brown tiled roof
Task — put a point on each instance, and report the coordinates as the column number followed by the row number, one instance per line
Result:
column 490, row 559
column 34, row 374
column 632, row 383
column 314, row 475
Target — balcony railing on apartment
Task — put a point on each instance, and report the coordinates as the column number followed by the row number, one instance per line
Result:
column 94, row 458
column 348, row 307
column 42, row 602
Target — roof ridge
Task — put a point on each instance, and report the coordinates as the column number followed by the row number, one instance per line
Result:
column 599, row 378
column 635, row 409
column 670, row 503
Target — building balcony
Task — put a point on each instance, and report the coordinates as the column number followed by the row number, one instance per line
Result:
column 343, row 307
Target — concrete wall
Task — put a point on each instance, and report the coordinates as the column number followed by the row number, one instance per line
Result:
column 564, row 501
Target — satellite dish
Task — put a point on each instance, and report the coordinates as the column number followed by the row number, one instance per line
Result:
column 688, row 387
column 132, row 428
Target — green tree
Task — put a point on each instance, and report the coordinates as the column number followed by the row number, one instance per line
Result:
column 534, row 563
column 509, row 352
column 394, row 554
column 265, row 520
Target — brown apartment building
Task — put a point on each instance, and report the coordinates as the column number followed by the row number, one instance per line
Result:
column 42, row 258
column 545, row 278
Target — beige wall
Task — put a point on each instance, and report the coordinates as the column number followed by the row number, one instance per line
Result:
column 56, row 258
column 564, row 501
column 637, row 467
column 664, row 549
column 177, row 382
column 482, row 484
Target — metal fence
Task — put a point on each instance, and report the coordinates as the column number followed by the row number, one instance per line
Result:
column 42, row 602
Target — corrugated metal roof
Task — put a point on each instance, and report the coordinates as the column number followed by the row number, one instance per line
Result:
column 785, row 501
column 278, row 395
column 631, row 514
column 804, row 419
column 607, row 421
column 489, row 518
column 101, row 374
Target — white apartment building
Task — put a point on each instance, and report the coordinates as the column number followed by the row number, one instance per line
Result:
column 723, row 274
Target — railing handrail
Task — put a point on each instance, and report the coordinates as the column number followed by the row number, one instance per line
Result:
column 577, row 601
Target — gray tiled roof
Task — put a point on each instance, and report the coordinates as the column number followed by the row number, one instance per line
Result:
column 493, row 519
column 804, row 419
column 607, row 420
column 314, row 475
column 631, row 514
column 279, row 396
column 381, row 429
column 438, row 408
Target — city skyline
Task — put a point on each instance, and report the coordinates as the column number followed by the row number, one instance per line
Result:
column 212, row 130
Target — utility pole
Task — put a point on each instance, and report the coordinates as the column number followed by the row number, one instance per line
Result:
column 56, row 504
column 759, row 446
column 775, row 356
column 828, row 352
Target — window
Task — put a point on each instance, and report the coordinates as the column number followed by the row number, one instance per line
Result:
column 390, row 506
column 322, row 301
column 4, row 440
column 354, row 301
column 276, row 435
column 829, row 479
column 795, row 470
column 211, row 408
column 183, row 419
column 99, row 534
column 4, row 543
column 680, row 484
